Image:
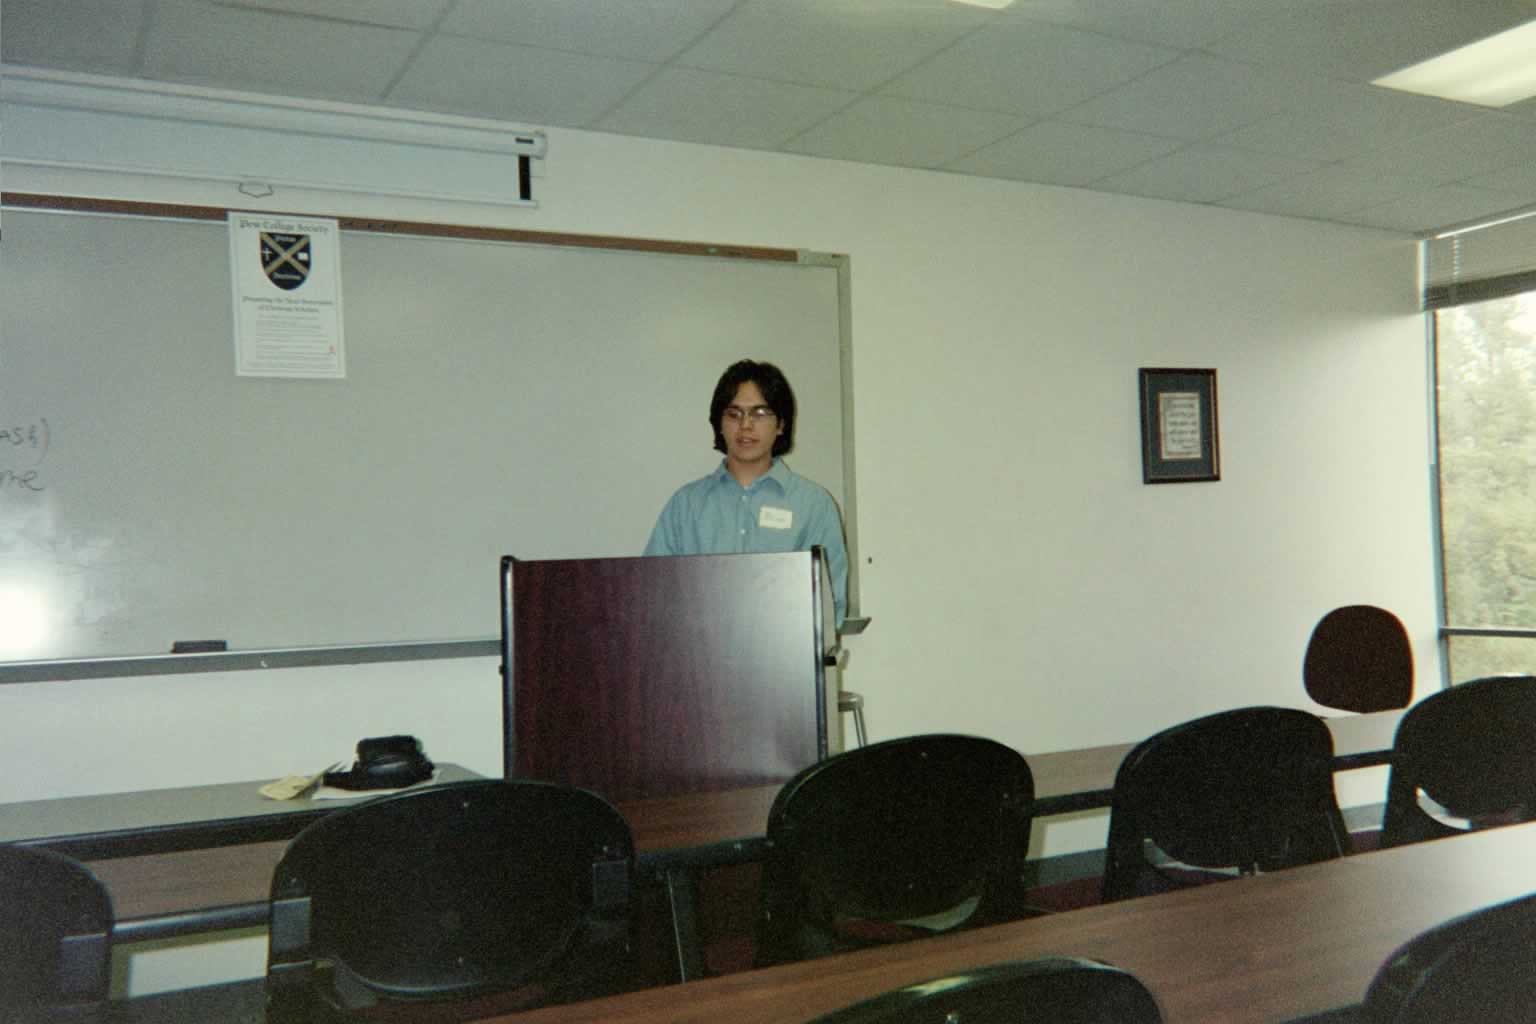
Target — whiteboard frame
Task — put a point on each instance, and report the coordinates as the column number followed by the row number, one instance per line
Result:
column 63, row 669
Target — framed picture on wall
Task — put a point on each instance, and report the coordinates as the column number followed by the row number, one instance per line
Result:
column 1179, row 429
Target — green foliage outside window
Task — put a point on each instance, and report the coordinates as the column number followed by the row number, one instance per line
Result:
column 1486, row 365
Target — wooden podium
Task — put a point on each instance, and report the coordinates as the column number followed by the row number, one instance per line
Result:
column 647, row 677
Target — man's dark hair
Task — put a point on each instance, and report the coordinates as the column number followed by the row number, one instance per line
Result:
column 776, row 394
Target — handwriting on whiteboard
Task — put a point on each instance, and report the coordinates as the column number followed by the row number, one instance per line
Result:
column 23, row 448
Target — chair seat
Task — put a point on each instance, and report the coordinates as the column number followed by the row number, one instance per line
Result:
column 1461, row 760
column 55, row 935
column 452, row 892
column 1051, row 990
column 1479, row 968
column 836, row 878
column 1359, row 659
column 1232, row 793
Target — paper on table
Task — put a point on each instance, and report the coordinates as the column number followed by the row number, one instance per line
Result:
column 290, row 787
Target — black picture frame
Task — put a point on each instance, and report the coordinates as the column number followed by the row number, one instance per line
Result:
column 1180, row 431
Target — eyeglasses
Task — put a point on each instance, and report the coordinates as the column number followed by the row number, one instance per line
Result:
column 757, row 414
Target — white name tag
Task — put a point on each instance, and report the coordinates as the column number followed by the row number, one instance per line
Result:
column 770, row 518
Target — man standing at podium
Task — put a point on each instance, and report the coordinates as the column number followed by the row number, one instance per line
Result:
column 753, row 503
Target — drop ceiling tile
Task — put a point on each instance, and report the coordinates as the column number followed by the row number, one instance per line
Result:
column 1277, row 78
column 1332, row 192
column 841, row 44
column 520, row 83
column 1025, row 67
column 1480, row 145
column 1439, row 207
column 888, row 130
column 1195, row 98
column 1059, row 153
column 723, row 110
column 1186, row 24
column 1204, row 173
column 248, row 49
column 98, row 36
column 1359, row 40
column 653, row 30
column 1346, row 121
column 1519, row 177
column 416, row 14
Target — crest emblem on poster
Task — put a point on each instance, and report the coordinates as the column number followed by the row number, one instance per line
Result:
column 285, row 259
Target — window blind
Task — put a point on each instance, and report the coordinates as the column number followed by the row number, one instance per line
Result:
column 1481, row 263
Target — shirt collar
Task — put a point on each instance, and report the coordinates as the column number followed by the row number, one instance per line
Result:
column 778, row 473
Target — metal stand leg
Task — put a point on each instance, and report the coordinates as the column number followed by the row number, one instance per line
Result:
column 854, row 703
column 681, row 900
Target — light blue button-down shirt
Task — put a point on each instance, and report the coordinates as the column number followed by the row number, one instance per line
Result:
column 781, row 511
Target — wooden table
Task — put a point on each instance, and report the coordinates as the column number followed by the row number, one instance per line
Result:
column 676, row 836
column 180, row 860
column 1263, row 949
column 203, row 867
column 1065, row 781
column 1259, row 950
column 169, row 820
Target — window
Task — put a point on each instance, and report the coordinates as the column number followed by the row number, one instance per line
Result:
column 1485, row 362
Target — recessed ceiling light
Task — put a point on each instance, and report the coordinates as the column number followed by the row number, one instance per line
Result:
column 1492, row 72
column 995, row 5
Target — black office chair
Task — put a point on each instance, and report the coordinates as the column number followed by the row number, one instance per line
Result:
column 1228, row 794
column 448, row 893
column 1469, row 750
column 1052, row 990
column 1479, row 968
column 55, row 937
column 1359, row 659
column 897, row 840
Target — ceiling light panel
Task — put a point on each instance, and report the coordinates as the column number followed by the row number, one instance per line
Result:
column 1492, row 72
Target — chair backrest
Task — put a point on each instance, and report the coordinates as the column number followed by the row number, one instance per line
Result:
column 453, row 891
column 1469, row 749
column 55, row 935
column 1052, row 990
column 1359, row 659
column 896, row 840
column 1237, row 792
column 1479, row 968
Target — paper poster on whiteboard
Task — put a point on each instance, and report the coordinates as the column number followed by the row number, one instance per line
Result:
column 287, row 279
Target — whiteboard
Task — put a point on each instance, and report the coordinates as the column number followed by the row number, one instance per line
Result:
column 539, row 401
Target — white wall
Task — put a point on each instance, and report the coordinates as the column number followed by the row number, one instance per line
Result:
column 1023, row 583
